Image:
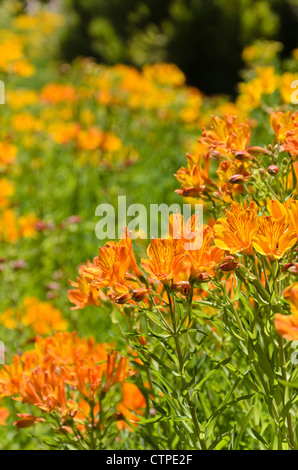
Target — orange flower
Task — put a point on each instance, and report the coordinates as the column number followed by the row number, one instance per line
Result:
column 83, row 293
column 91, row 139
column 234, row 233
column 27, row 421
column 194, row 180
column 133, row 404
column 6, row 191
column 293, row 213
column 291, row 294
column 27, row 225
column 46, row 390
column 42, row 317
column 226, row 171
column 278, row 210
column 291, row 145
column 284, row 124
column 165, row 74
column 268, row 79
column 115, row 263
column 111, row 266
column 62, row 368
column 202, row 255
column 9, row 230
column 273, row 237
column 10, row 377
column 87, row 377
column 188, row 232
column 165, row 259
column 287, row 325
column 8, row 153
column 55, row 93
column 227, row 136
column 127, row 242
column 4, row 413
column 116, row 370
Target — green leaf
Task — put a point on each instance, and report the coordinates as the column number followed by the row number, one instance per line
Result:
column 259, row 437
column 210, row 374
column 243, row 428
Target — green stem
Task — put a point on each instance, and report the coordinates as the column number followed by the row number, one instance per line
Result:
column 184, row 381
column 290, row 428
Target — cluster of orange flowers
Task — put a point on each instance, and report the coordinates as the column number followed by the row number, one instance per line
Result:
column 63, row 376
column 195, row 253
column 67, row 113
column 159, row 87
column 285, row 126
column 13, row 58
column 42, row 317
column 12, row 227
column 192, row 252
column 227, row 142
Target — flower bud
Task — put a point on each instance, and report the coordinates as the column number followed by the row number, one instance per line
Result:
column 74, row 219
column 228, row 264
column 242, row 155
column 293, row 268
column 273, row 170
column 215, row 154
column 53, row 286
column 19, row 264
column 139, row 294
column 237, row 179
column 256, row 151
column 183, row 287
column 40, row 225
column 123, row 299
column 203, row 277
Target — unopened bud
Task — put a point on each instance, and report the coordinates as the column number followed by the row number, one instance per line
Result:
column 123, row 299
column 183, row 287
column 273, row 170
column 293, row 269
column 256, row 151
column 53, row 286
column 40, row 225
column 19, row 264
column 242, row 155
column 203, row 277
column 74, row 219
column 237, row 179
column 215, row 154
column 139, row 294
column 228, row 264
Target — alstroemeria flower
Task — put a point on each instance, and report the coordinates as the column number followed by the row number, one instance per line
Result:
column 165, row 259
column 234, row 233
column 287, row 325
column 273, row 237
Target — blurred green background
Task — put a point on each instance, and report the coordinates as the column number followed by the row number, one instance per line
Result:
column 204, row 38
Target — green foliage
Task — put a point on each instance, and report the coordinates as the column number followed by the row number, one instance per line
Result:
column 201, row 37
